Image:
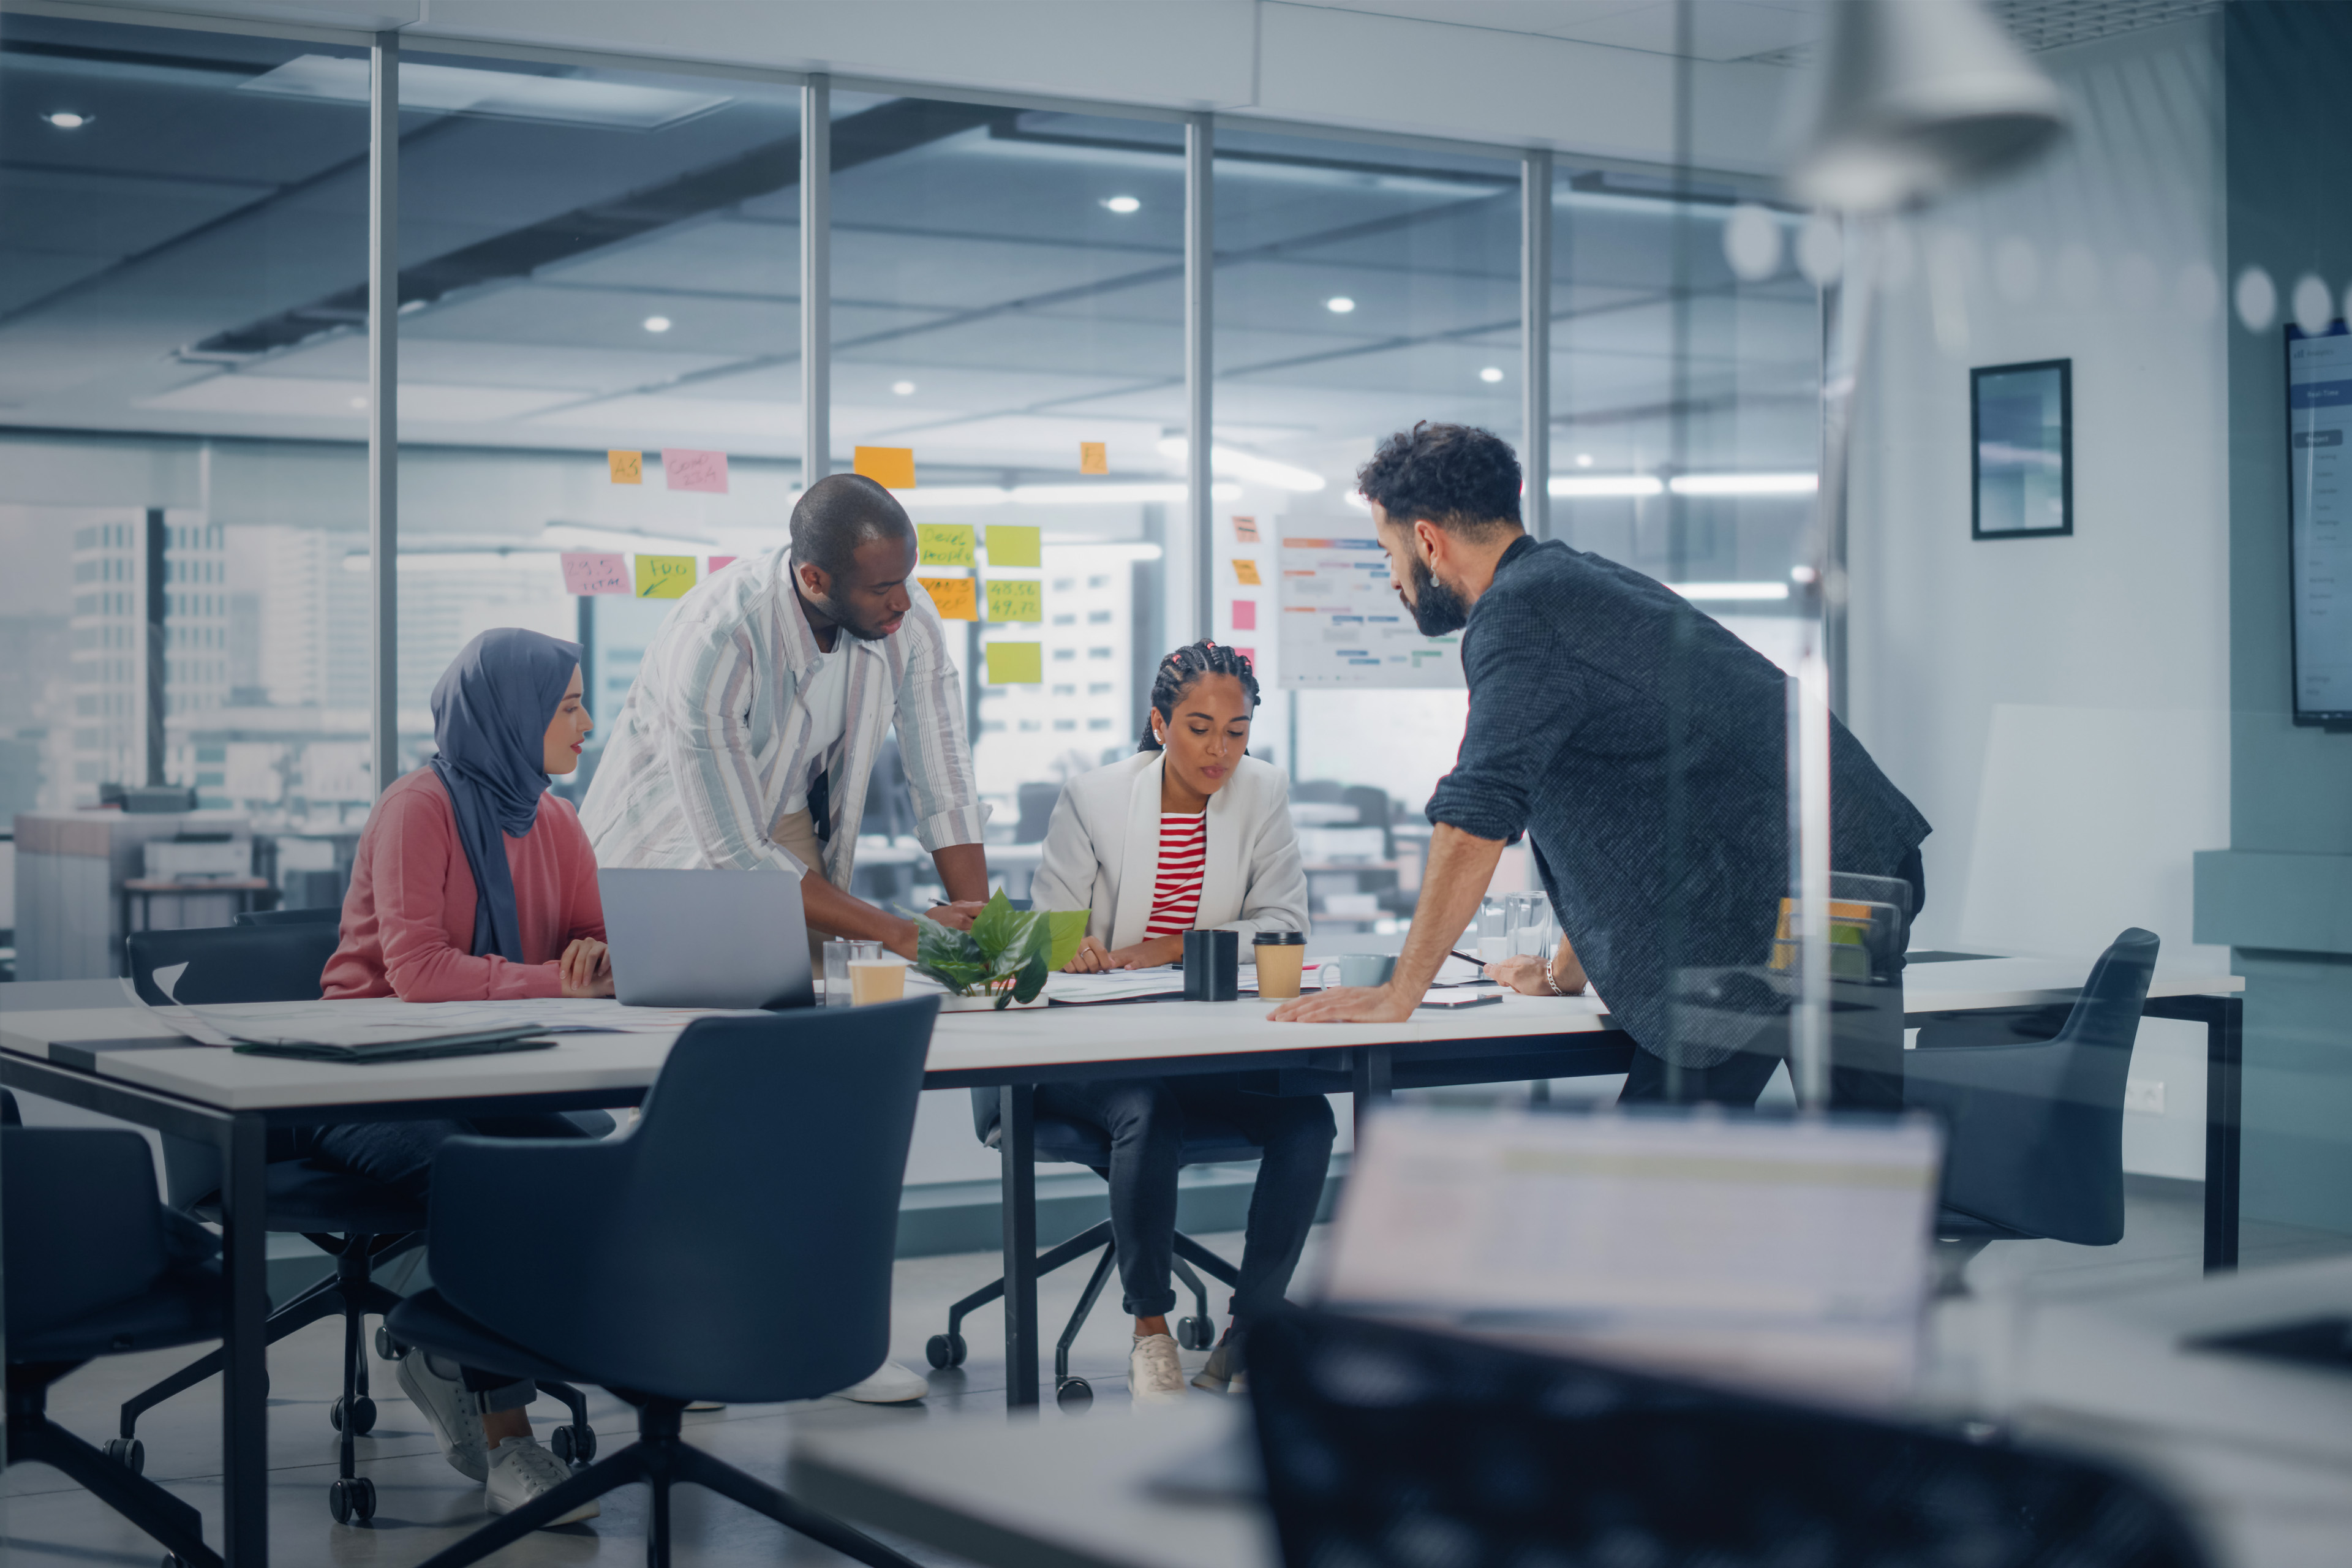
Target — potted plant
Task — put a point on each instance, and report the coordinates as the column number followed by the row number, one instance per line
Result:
column 1004, row 959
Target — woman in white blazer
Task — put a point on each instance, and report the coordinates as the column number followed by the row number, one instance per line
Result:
column 1191, row 833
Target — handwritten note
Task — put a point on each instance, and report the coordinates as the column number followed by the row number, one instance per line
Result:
column 1246, row 571
column 1245, row 615
column 1021, row 600
column 1094, row 458
column 584, row 573
column 686, row 468
column 1244, row 531
column 1015, row 663
column 664, row 576
column 946, row 544
column 892, row 468
column 954, row 597
column 628, row 467
column 718, row 560
column 1010, row 544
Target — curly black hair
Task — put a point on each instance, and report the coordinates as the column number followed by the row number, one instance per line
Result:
column 1180, row 669
column 1462, row 478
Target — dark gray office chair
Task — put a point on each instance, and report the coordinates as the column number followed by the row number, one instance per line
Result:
column 1036, row 802
column 2035, row 1129
column 96, row 1266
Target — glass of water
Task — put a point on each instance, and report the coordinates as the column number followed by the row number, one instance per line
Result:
column 1527, row 924
column 839, row 951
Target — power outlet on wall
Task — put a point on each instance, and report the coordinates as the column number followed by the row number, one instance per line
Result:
column 2145, row 1095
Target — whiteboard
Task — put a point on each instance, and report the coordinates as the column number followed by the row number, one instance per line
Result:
column 1343, row 625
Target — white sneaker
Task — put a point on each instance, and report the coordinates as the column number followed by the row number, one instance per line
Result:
column 888, row 1383
column 1155, row 1373
column 523, row 1472
column 454, row 1414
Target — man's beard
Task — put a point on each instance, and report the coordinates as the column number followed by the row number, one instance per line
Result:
column 1436, row 608
column 864, row 631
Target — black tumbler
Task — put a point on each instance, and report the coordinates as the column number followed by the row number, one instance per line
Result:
column 1213, row 965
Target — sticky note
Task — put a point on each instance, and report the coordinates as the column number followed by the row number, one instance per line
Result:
column 628, row 467
column 664, row 576
column 718, row 560
column 1250, row 654
column 954, row 597
column 1245, row 615
column 686, row 468
column 946, row 544
column 1021, row 599
column 1246, row 571
column 590, row 573
column 1244, row 531
column 1010, row 544
column 1094, row 458
column 892, row 468
column 1015, row 663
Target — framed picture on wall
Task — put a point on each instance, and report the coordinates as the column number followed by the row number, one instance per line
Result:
column 2022, row 449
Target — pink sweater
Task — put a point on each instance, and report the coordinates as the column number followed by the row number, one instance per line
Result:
column 408, row 919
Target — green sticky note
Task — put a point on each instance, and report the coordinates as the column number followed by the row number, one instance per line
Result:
column 1012, row 545
column 1016, row 663
column 1019, row 599
column 946, row 544
column 664, row 576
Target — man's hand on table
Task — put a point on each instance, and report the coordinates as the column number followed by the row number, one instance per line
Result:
column 1348, row 1005
column 957, row 916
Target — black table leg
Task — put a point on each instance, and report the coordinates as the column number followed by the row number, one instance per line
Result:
column 1017, row 1147
column 2224, row 1058
column 1371, row 1073
column 245, row 1390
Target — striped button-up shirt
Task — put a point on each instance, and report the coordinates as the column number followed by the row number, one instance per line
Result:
column 704, row 746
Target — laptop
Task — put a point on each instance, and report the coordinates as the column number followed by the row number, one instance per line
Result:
column 707, row 939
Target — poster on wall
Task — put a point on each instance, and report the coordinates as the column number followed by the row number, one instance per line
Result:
column 1343, row 625
column 2022, row 447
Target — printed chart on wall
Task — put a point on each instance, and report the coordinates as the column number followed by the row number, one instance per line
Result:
column 1343, row 625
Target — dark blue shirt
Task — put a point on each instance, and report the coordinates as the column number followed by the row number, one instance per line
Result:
column 1642, row 749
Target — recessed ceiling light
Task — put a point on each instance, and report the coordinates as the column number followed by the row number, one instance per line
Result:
column 657, row 323
column 903, row 388
column 67, row 119
column 1122, row 205
column 1338, row 304
column 1490, row 374
column 1584, row 459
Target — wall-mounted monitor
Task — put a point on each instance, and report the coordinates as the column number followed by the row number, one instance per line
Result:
column 2022, row 449
column 2319, row 511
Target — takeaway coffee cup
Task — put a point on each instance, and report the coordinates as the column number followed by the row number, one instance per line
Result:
column 1281, row 961
column 1212, row 963
column 877, row 980
column 1358, row 969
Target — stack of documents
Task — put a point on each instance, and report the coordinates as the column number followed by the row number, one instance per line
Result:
column 387, row 1029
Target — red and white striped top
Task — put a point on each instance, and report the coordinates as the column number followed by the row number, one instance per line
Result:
column 1176, row 891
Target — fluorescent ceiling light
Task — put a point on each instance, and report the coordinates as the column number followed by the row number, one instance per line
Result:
column 1054, row 495
column 903, row 388
column 504, row 95
column 1248, row 466
column 1123, row 205
column 591, row 536
column 1572, row 484
column 657, row 323
column 1338, row 304
column 1491, row 374
column 67, row 119
column 1092, row 551
column 1745, row 484
column 1731, row 590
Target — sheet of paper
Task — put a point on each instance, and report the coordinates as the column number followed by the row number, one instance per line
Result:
column 892, row 468
column 1015, row 663
column 628, row 467
column 373, row 1020
column 1246, row 571
column 691, row 468
column 1014, row 544
column 1341, row 623
column 718, row 560
column 1094, row 458
column 588, row 572
column 664, row 576
column 1117, row 985
column 954, row 597
column 946, row 544
column 1244, row 531
column 1020, row 599
column 1245, row 615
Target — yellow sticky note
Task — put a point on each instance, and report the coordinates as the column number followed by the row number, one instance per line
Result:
column 664, row 576
column 946, row 544
column 892, row 468
column 628, row 467
column 1016, row 663
column 952, row 597
column 1011, row 544
column 1018, row 600
column 1247, row 572
column 1094, row 458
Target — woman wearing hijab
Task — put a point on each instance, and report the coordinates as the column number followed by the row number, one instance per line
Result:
column 473, row 882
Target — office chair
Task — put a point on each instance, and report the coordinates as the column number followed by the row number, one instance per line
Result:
column 633, row 1277
column 1036, row 802
column 97, row 1267
column 315, row 914
column 1077, row 1143
column 2035, row 1129
column 361, row 1224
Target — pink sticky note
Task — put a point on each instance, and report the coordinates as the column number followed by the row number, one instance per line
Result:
column 718, row 560
column 1245, row 615
column 592, row 574
column 686, row 468
column 1250, row 654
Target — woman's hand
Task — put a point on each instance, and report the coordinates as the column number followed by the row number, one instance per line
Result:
column 1148, row 955
column 1523, row 974
column 586, row 967
column 1092, row 958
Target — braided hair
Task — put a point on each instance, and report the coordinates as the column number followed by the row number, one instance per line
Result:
column 1187, row 665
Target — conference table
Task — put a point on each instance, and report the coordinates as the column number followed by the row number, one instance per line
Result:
column 88, row 1044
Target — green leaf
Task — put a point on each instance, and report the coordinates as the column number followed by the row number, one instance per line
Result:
column 1069, row 928
column 996, row 927
column 1031, row 981
column 947, row 956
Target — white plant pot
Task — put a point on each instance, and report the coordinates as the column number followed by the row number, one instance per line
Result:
column 985, row 1004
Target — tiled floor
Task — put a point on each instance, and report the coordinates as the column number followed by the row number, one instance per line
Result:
column 423, row 1504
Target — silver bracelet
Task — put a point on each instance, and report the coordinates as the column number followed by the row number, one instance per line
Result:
column 1549, row 981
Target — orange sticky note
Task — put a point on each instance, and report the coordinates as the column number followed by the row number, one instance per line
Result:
column 628, row 467
column 1247, row 572
column 892, row 468
column 954, row 597
column 1244, row 531
column 1094, row 458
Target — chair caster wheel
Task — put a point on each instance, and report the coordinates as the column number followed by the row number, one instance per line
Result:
column 944, row 1351
column 573, row 1444
column 352, row 1499
column 1195, row 1334
column 386, row 1347
column 1073, row 1394
column 128, row 1452
column 361, row 1416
